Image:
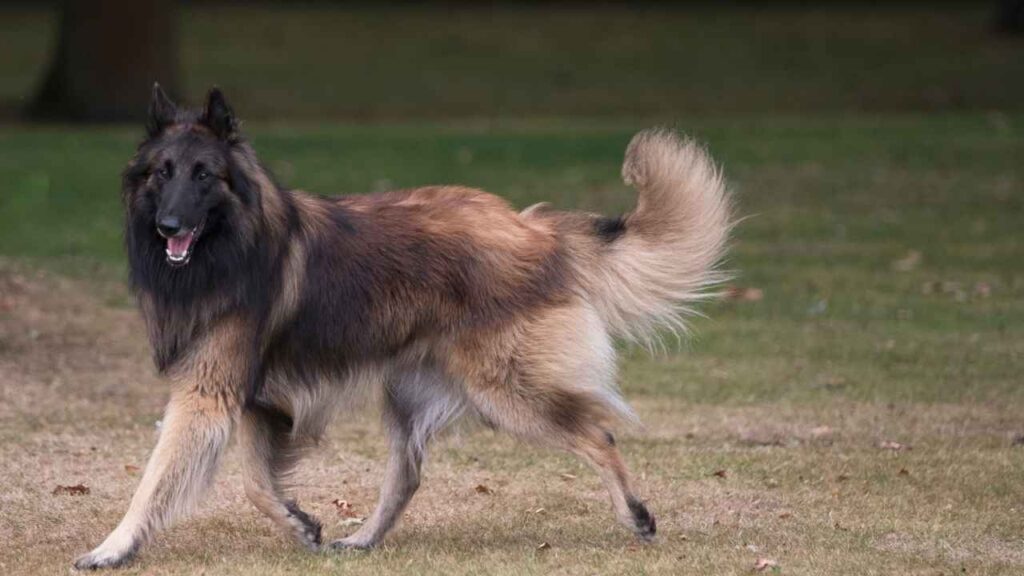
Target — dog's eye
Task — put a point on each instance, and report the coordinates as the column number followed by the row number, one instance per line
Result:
column 202, row 175
column 163, row 173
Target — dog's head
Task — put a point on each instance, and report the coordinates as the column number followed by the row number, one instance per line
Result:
column 184, row 183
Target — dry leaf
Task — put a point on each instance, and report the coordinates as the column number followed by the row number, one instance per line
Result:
column 483, row 489
column 910, row 261
column 544, row 546
column 784, row 515
column 763, row 564
column 344, row 508
column 842, row 478
column 131, row 469
column 76, row 490
column 891, row 445
column 537, row 511
column 904, row 472
column 821, row 432
column 567, row 477
column 720, row 473
column 740, row 294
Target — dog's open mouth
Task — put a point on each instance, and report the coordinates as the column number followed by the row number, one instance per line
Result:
column 179, row 248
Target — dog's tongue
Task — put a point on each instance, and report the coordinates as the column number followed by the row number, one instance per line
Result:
column 177, row 246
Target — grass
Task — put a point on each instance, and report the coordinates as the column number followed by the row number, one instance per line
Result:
column 363, row 61
column 875, row 151
column 791, row 395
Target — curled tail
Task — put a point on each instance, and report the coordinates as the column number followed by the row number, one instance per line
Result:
column 662, row 257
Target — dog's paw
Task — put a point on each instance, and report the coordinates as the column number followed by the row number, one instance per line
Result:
column 644, row 525
column 307, row 529
column 309, row 536
column 351, row 544
column 103, row 558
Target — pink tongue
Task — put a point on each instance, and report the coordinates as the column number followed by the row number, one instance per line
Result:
column 179, row 244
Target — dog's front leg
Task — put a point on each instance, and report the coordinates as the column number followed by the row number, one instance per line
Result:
column 194, row 433
column 204, row 406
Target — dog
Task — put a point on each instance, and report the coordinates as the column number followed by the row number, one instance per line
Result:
column 265, row 305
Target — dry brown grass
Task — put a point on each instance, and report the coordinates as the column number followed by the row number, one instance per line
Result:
column 805, row 485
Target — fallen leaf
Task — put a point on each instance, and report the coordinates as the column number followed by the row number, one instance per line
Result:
column 131, row 469
column 818, row 307
column 741, row 294
column 904, row 472
column 784, row 515
column 76, row 490
column 344, row 508
column 544, row 546
column 891, row 445
column 762, row 439
column 842, row 478
column 358, row 521
column 567, row 477
column 908, row 262
column 720, row 473
column 483, row 489
column 763, row 564
column 821, row 431
column 537, row 511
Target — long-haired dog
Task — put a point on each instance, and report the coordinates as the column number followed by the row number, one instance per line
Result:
column 263, row 304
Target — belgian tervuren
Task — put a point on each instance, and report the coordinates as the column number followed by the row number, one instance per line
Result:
column 264, row 305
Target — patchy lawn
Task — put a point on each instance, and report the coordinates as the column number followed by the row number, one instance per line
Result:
column 856, row 408
column 832, row 486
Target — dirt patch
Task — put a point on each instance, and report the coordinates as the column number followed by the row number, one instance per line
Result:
column 63, row 354
column 805, row 485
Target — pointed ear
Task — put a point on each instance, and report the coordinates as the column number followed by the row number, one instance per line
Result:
column 162, row 112
column 218, row 116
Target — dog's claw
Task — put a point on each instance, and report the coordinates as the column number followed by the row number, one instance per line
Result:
column 345, row 544
column 97, row 559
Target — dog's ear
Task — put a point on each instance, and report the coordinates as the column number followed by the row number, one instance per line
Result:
column 162, row 112
column 218, row 116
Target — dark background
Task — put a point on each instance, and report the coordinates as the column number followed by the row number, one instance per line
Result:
column 94, row 60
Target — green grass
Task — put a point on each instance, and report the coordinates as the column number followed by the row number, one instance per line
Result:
column 832, row 201
column 369, row 62
column 852, row 137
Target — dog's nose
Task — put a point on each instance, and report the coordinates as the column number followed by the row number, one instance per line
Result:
column 168, row 226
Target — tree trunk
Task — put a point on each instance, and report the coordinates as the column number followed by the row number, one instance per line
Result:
column 1010, row 17
column 108, row 55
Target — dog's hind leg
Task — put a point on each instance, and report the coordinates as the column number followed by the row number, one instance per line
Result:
column 568, row 420
column 270, row 453
column 416, row 406
column 552, row 385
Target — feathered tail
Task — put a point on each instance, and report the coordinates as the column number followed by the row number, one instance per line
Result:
column 664, row 261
